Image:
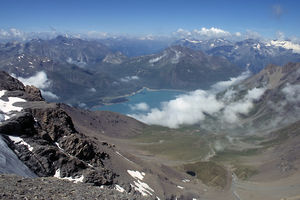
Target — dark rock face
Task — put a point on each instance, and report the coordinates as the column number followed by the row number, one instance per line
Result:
column 21, row 124
column 57, row 147
column 9, row 83
column 34, row 94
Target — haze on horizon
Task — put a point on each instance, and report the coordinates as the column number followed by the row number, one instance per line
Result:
column 98, row 19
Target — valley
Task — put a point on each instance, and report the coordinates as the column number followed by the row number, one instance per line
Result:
column 181, row 123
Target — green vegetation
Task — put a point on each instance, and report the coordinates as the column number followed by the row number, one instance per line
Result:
column 184, row 144
column 210, row 173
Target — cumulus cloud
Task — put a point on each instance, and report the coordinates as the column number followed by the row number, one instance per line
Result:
column 129, row 78
column 41, row 81
column 182, row 33
column 292, row 93
column 195, row 106
column 49, row 95
column 140, row 107
column 202, row 33
column 222, row 85
column 287, row 45
column 234, row 109
column 12, row 33
column 212, row 32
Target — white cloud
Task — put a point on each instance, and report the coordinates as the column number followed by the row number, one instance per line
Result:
column 202, row 33
column 97, row 34
column 129, row 78
column 182, row 33
column 140, row 107
column 238, row 34
column 92, row 90
column 243, row 106
column 222, row 85
column 193, row 107
column 212, row 32
column 287, row 45
column 39, row 80
column 292, row 93
column 49, row 95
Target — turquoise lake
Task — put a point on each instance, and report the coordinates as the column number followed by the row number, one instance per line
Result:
column 152, row 98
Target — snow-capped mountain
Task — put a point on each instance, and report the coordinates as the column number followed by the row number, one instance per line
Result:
column 250, row 53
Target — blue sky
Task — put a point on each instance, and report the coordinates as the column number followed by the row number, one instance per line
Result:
column 152, row 17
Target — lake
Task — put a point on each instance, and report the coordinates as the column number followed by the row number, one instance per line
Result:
column 142, row 101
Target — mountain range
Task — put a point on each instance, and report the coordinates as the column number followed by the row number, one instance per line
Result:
column 244, row 146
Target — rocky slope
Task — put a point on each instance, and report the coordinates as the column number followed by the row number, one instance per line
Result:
column 50, row 143
column 250, row 53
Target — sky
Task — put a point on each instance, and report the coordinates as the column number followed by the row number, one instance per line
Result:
column 157, row 17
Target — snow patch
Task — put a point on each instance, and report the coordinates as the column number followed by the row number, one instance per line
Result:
column 156, row 59
column 176, row 58
column 129, row 78
column 180, row 187
column 75, row 180
column 119, row 188
column 19, row 141
column 186, row 180
column 7, row 106
column 142, row 187
column 136, row 174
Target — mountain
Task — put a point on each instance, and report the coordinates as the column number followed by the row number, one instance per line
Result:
column 175, row 68
column 133, row 47
column 87, row 73
column 252, row 54
column 84, row 147
column 265, row 101
column 132, row 160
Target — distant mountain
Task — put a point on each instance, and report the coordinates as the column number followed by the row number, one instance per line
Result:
column 250, row 53
column 84, row 73
column 176, row 67
column 133, row 47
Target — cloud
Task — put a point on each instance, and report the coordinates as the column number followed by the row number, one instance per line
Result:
column 238, row 34
column 202, row 33
column 250, row 34
column 12, row 33
column 277, row 11
column 97, row 34
column 287, row 45
column 292, row 93
column 140, row 107
column 182, row 33
column 222, row 85
column 243, row 106
column 195, row 106
column 129, row 78
column 41, row 81
column 92, row 90
column 49, row 95
column 211, row 32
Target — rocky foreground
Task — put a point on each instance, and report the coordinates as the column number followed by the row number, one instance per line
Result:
column 15, row 187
